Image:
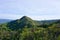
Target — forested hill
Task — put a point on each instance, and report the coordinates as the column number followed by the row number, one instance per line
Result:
column 27, row 29
column 26, row 21
column 20, row 23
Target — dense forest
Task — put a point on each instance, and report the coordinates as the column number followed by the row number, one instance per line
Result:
column 28, row 29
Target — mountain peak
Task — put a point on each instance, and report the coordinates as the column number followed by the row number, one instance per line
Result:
column 21, row 23
column 25, row 18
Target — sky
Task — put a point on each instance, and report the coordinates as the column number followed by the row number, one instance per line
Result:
column 35, row 9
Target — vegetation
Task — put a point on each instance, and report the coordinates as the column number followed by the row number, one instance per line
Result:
column 27, row 29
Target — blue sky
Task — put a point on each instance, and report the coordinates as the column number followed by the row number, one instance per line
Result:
column 36, row 9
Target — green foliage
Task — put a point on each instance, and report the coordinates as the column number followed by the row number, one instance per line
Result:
column 27, row 29
column 58, row 37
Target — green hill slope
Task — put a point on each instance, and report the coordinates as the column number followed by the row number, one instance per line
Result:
column 20, row 23
column 30, row 30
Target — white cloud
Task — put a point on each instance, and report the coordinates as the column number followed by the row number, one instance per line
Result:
column 36, row 9
column 35, row 17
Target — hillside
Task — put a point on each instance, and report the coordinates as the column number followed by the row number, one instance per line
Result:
column 26, row 21
column 21, row 23
column 27, row 29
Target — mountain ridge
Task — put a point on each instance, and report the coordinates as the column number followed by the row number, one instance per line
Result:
column 27, row 29
column 4, row 21
column 27, row 21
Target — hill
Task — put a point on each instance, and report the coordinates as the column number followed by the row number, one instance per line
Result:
column 48, row 21
column 28, row 29
column 21, row 23
column 27, row 22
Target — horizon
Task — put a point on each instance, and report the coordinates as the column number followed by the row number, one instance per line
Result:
column 35, row 9
column 31, row 18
